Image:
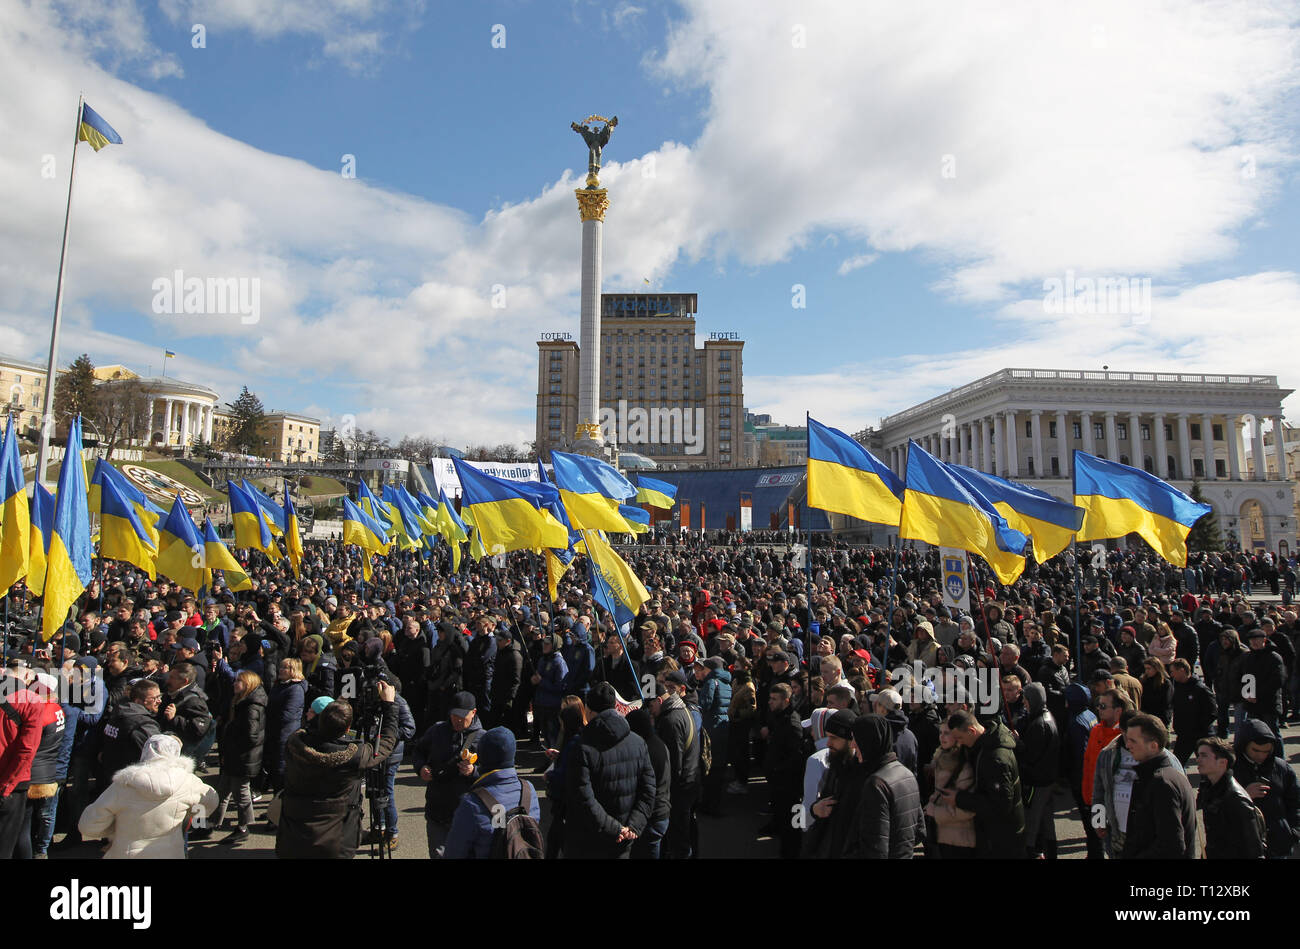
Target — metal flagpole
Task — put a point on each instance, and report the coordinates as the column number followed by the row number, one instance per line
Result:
column 1078, row 576
column 43, row 454
column 593, row 568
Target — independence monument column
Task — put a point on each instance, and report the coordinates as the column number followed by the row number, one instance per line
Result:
column 593, row 202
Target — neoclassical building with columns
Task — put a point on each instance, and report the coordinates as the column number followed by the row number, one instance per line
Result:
column 180, row 413
column 1024, row 424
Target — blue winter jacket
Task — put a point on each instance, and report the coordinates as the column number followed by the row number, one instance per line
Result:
column 550, row 691
column 405, row 731
column 715, row 698
column 470, row 837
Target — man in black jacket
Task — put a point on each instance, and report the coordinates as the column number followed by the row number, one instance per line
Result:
column 1194, row 710
column 647, row 844
column 507, row 673
column 1260, row 676
column 674, row 724
column 443, row 757
column 888, row 821
column 996, row 798
column 129, row 726
column 184, row 712
column 411, row 660
column 479, row 663
column 1162, row 811
column 613, row 667
column 610, row 785
column 321, row 813
column 1038, row 755
column 783, row 763
column 1233, row 825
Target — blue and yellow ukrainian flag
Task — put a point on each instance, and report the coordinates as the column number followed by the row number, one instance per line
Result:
column 16, row 519
column 638, row 518
column 362, row 530
column 95, row 130
column 620, row 590
column 219, row 557
column 451, row 528
column 506, row 514
column 182, row 555
column 292, row 537
column 845, row 478
column 121, row 535
column 406, row 522
column 941, row 510
column 271, row 512
column 251, row 528
column 1118, row 500
column 588, row 494
column 1050, row 522
column 42, row 513
column 149, row 514
column 68, row 568
column 374, row 507
column 655, row 493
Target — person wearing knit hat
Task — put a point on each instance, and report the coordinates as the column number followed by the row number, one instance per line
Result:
column 834, row 802
column 498, row 791
column 817, row 764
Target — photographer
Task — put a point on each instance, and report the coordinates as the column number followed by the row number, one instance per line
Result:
column 321, row 815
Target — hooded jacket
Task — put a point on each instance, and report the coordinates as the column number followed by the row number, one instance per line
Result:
column 611, row 785
column 1281, row 805
column 126, row 730
column 888, row 821
column 321, row 813
column 904, row 744
column 580, row 661
column 715, row 698
column 1038, row 749
column 285, row 708
column 145, row 808
column 675, row 726
column 996, row 797
column 192, row 720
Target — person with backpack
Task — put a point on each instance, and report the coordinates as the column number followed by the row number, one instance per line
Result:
column 498, row 818
column 713, row 687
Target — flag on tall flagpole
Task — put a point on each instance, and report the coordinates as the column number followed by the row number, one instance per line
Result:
column 42, row 512
column 220, row 558
column 1050, row 522
column 16, row 525
column 292, row 538
column 68, row 566
column 182, row 555
column 94, row 130
column 121, row 535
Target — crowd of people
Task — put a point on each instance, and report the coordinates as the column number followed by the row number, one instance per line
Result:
column 884, row 727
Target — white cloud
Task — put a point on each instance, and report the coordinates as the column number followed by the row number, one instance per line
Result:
column 857, row 263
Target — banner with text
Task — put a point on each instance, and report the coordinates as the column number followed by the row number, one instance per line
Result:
column 956, row 590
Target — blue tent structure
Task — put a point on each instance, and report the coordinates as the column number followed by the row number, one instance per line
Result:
column 720, row 490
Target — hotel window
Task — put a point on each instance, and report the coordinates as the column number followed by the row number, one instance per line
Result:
column 724, row 390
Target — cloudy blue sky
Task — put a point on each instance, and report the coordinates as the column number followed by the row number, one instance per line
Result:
column 919, row 169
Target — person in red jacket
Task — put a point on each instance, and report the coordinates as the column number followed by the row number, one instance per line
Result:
column 22, row 716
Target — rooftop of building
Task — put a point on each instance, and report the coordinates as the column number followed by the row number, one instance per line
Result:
column 1028, row 377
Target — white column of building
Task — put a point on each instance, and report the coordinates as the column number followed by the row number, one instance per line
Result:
column 1185, row 445
column 1160, row 449
column 186, row 408
column 207, row 423
column 1257, row 452
column 966, row 438
column 1112, row 438
column 1231, row 431
column 1135, row 440
column 1013, row 451
column 999, row 447
column 1036, row 427
column 985, row 464
column 1063, row 444
column 1085, row 425
column 167, row 422
column 148, row 434
column 1279, row 446
column 1207, row 446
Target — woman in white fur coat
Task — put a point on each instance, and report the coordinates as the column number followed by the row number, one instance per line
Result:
column 143, row 812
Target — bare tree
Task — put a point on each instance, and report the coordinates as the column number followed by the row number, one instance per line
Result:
column 121, row 410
